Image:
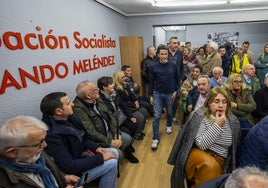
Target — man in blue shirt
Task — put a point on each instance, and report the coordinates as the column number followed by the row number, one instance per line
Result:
column 163, row 87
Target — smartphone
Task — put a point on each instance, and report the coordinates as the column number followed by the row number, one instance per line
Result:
column 83, row 179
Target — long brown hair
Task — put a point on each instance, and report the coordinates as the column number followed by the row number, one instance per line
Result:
column 211, row 96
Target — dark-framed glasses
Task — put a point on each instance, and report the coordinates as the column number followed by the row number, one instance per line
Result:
column 39, row 145
column 238, row 81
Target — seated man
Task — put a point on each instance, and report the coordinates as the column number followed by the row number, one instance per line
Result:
column 22, row 162
column 250, row 78
column 135, row 88
column 246, row 177
column 99, row 120
column 217, row 79
column 129, row 79
column 197, row 96
column 69, row 143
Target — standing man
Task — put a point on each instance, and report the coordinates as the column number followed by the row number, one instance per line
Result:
column 145, row 67
column 226, row 61
column 175, row 55
column 245, row 48
column 163, row 84
column 213, row 59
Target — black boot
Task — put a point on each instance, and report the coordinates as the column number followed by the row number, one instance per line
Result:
column 130, row 157
column 131, row 148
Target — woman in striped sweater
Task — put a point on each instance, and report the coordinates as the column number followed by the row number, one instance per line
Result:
column 206, row 145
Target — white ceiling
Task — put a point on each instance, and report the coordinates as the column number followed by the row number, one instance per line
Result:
column 144, row 7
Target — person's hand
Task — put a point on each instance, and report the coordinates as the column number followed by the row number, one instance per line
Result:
column 116, row 143
column 189, row 108
column 118, row 136
column 133, row 120
column 219, row 80
column 100, row 150
column 220, row 118
column 151, row 100
column 174, row 95
column 233, row 105
column 70, row 180
column 137, row 104
column 108, row 155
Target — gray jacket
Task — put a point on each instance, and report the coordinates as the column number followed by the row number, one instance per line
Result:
column 185, row 141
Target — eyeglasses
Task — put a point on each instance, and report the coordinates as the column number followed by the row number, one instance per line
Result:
column 39, row 145
column 238, row 81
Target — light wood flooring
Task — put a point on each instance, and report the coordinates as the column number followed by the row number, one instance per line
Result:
column 153, row 169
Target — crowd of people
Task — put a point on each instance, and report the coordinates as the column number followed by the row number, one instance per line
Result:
column 221, row 92
column 222, row 99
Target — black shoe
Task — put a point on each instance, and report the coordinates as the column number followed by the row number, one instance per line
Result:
column 138, row 136
column 130, row 157
column 131, row 148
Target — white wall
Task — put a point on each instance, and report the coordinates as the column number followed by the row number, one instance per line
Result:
column 143, row 25
column 64, row 17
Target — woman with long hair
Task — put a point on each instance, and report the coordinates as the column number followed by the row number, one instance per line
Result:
column 129, row 99
column 206, row 145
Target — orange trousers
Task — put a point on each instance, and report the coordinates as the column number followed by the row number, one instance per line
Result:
column 202, row 166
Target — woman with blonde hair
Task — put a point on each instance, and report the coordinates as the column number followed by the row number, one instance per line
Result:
column 242, row 101
column 206, row 145
column 262, row 64
column 130, row 100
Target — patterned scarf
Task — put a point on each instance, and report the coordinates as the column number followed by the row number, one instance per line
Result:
column 39, row 168
column 110, row 97
column 237, row 95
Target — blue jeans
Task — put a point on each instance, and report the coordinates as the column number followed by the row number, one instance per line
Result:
column 159, row 100
column 107, row 172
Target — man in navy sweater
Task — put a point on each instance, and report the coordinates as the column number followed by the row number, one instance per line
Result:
column 163, row 87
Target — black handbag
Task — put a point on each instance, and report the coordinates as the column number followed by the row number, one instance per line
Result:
column 120, row 116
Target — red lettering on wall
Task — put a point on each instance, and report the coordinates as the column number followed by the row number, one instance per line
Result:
column 15, row 35
column 8, row 81
column 61, row 66
column 24, row 75
column 50, row 73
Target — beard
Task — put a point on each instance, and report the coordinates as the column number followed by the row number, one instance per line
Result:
column 21, row 159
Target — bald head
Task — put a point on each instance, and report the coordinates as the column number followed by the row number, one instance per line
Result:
column 87, row 90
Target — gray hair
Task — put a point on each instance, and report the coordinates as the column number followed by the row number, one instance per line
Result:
column 82, row 89
column 239, row 176
column 204, row 76
column 214, row 45
column 15, row 131
column 217, row 68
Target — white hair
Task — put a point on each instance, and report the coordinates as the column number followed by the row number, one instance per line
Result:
column 214, row 45
column 238, row 177
column 217, row 68
column 15, row 131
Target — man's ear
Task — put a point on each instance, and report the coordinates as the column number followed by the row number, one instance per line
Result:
column 87, row 96
column 11, row 153
column 58, row 111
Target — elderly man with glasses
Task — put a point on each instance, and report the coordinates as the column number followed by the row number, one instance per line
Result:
column 22, row 160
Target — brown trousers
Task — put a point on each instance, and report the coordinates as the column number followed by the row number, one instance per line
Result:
column 202, row 166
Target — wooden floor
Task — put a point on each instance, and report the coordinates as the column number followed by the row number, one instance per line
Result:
column 153, row 169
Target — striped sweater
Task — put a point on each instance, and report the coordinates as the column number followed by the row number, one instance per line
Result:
column 213, row 137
